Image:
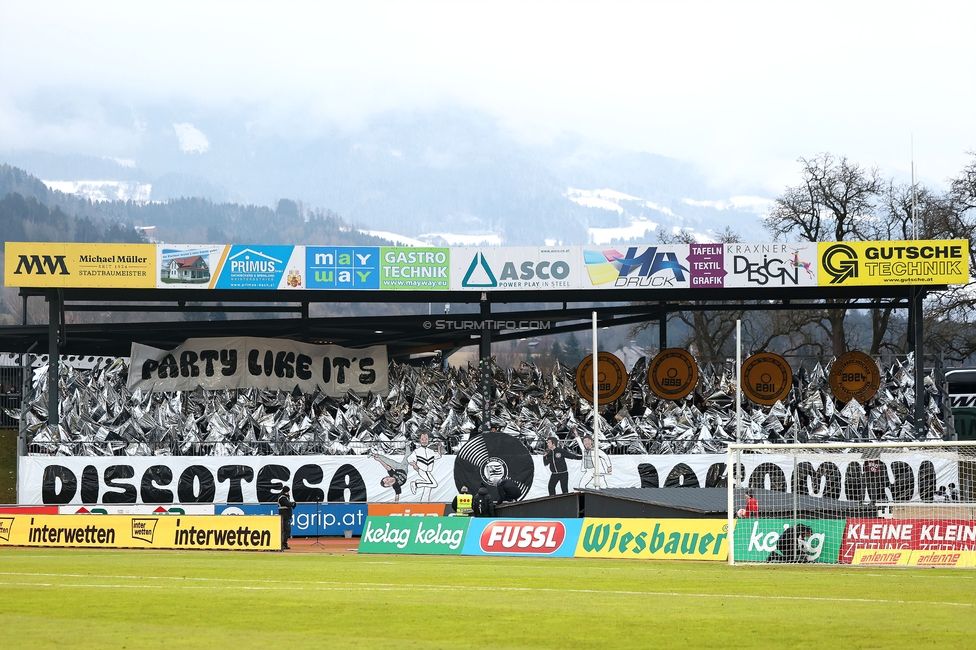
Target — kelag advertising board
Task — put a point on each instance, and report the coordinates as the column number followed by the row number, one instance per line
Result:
column 755, row 539
column 307, row 519
column 414, row 535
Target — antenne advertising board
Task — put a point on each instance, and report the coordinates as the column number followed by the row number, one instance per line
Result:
column 116, row 266
column 524, row 268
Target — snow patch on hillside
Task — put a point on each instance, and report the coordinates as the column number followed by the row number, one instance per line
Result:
column 104, row 190
column 756, row 204
column 638, row 228
column 192, row 140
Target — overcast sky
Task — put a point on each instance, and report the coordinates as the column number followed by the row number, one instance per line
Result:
column 741, row 88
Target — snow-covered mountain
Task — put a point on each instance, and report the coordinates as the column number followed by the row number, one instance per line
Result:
column 449, row 176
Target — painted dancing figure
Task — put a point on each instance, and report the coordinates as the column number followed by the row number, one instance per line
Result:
column 422, row 460
column 592, row 456
column 396, row 471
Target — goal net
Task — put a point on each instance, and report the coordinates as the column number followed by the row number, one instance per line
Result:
column 864, row 503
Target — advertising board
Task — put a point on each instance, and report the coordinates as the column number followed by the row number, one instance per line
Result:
column 414, row 535
column 935, row 559
column 342, row 267
column 771, row 265
column 755, row 539
column 515, row 268
column 654, row 539
column 131, row 509
column 188, row 266
column 133, row 531
column 908, row 535
column 117, row 266
column 876, row 263
column 309, row 519
column 881, row 557
column 415, row 269
column 262, row 267
column 663, row 266
column 523, row 537
column 407, row 509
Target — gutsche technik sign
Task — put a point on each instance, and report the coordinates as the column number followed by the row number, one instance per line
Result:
column 497, row 268
column 249, row 362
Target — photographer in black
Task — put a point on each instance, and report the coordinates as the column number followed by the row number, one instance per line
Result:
column 285, row 508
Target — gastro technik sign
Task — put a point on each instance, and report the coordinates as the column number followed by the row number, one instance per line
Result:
column 245, row 533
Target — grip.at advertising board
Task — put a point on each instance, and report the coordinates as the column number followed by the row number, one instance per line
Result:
column 210, row 532
column 310, row 519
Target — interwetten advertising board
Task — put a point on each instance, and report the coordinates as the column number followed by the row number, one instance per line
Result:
column 523, row 537
column 116, row 266
column 655, row 539
column 510, row 268
column 414, row 535
column 876, row 263
column 123, row 531
column 309, row 519
column 755, row 539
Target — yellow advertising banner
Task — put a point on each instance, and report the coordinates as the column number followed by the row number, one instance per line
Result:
column 942, row 558
column 882, row 556
column 655, row 539
column 876, row 263
column 242, row 533
column 40, row 264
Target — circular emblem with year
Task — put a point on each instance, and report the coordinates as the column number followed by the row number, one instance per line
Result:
column 673, row 374
column 854, row 375
column 611, row 374
column 766, row 378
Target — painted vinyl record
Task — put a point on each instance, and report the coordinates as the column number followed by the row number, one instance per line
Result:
column 489, row 457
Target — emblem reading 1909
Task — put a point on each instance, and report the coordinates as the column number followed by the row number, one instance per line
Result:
column 673, row 374
column 611, row 375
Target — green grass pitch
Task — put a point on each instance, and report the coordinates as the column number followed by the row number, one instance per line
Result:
column 109, row 599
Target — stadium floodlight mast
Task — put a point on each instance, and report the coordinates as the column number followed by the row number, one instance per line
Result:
column 596, row 412
column 893, row 486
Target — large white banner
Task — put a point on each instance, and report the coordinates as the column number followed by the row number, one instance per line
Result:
column 424, row 476
column 248, row 362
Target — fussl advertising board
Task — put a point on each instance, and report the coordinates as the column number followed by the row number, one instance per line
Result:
column 523, row 537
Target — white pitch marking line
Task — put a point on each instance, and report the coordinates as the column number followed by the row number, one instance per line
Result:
column 365, row 586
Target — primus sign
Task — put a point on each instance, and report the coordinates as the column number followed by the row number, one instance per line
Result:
column 414, row 535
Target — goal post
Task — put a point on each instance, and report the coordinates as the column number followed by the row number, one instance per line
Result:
column 853, row 503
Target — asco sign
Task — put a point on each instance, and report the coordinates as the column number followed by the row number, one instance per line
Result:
column 535, row 537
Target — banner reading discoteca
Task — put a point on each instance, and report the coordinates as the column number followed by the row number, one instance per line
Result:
column 245, row 533
column 248, row 362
